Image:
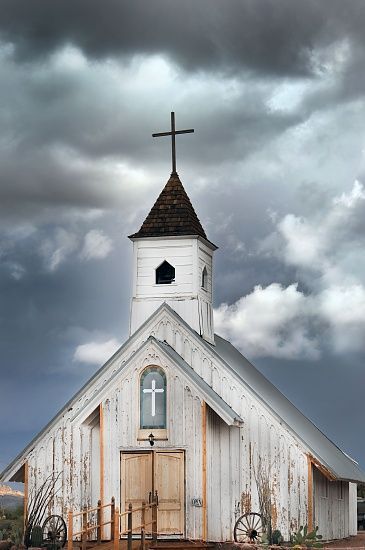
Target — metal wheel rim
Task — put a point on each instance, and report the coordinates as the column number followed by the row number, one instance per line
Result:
column 55, row 530
column 248, row 528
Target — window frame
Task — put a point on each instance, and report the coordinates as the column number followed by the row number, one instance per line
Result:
column 160, row 434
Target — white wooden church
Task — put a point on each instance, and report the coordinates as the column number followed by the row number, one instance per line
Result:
column 178, row 410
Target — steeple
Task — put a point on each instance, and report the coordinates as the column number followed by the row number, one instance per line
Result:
column 173, row 262
column 172, row 214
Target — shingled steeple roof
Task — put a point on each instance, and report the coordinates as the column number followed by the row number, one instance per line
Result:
column 172, row 214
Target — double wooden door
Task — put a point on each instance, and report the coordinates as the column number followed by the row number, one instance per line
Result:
column 143, row 473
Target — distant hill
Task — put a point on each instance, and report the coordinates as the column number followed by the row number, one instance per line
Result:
column 9, row 498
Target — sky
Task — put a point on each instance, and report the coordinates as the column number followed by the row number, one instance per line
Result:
column 275, row 90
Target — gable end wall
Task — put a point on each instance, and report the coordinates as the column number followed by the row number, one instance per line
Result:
column 68, row 444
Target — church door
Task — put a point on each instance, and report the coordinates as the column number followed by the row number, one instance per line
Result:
column 150, row 471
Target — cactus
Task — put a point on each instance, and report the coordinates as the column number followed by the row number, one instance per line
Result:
column 276, row 537
column 304, row 539
column 36, row 539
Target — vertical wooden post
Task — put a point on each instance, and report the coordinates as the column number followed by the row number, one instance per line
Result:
column 112, row 518
column 310, row 494
column 84, row 528
column 70, row 530
column 154, row 519
column 143, row 526
column 204, row 470
column 101, row 472
column 130, row 527
column 116, row 530
column 98, row 523
column 26, row 491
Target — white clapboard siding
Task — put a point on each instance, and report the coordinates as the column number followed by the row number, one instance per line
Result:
column 185, row 294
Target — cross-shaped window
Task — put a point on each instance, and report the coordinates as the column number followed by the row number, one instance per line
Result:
column 153, row 399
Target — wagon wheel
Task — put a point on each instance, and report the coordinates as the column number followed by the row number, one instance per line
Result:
column 55, row 530
column 248, row 528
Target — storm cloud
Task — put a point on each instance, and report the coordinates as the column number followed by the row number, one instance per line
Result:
column 275, row 91
column 270, row 36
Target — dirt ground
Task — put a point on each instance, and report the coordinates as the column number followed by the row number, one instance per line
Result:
column 352, row 542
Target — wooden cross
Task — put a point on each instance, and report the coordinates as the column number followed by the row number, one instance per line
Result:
column 173, row 133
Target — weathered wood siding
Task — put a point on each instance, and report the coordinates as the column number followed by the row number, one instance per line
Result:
column 70, row 444
column 331, row 506
column 223, row 476
column 352, row 509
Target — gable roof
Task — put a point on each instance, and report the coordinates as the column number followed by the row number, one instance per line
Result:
column 172, row 214
column 332, row 457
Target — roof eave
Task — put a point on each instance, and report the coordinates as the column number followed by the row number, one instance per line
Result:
column 208, row 243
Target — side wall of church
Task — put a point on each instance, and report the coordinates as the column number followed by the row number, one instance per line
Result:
column 241, row 460
column 331, row 506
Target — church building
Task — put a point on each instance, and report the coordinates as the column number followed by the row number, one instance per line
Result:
column 179, row 411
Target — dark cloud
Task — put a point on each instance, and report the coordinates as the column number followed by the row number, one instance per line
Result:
column 274, row 37
column 275, row 92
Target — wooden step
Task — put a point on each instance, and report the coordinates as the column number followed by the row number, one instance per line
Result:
column 181, row 545
column 167, row 544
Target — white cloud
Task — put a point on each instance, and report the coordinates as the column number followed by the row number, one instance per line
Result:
column 283, row 322
column 96, row 353
column 349, row 200
column 96, row 246
column 325, row 240
column 343, row 308
column 56, row 249
column 304, row 243
column 271, row 321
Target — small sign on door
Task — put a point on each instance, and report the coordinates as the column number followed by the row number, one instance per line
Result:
column 198, row 502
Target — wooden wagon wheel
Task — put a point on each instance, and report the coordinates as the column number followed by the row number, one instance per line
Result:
column 55, row 530
column 248, row 528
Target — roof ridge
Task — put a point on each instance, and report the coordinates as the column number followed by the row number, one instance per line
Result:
column 172, row 214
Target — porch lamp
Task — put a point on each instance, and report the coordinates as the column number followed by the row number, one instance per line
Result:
column 151, row 439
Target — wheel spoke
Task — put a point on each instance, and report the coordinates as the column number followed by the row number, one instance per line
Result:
column 248, row 528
